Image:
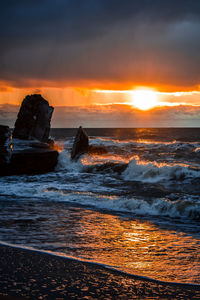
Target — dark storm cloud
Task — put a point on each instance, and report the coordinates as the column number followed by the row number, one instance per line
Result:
column 147, row 40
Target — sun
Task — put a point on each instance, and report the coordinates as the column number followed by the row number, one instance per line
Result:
column 144, row 99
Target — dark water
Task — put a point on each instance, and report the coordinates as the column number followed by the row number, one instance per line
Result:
column 132, row 203
column 156, row 134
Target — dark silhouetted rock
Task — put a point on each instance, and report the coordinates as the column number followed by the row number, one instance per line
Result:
column 33, row 151
column 33, row 120
column 81, row 144
column 5, row 144
column 31, row 161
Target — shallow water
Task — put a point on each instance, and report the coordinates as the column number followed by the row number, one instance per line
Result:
column 135, row 207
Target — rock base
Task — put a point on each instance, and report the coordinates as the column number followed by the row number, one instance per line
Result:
column 33, row 161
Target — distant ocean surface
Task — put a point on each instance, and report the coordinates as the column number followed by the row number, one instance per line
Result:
column 134, row 204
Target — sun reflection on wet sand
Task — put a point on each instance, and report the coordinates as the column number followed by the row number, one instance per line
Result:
column 135, row 246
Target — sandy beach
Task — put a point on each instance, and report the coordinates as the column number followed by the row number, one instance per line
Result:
column 38, row 275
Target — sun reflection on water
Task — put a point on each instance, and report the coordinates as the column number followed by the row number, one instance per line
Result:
column 135, row 246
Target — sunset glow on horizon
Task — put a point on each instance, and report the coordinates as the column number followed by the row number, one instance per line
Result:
column 147, row 98
column 133, row 56
column 143, row 98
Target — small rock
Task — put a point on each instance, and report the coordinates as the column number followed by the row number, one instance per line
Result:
column 81, row 144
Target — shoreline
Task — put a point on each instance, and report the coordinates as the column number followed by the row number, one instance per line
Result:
column 27, row 273
column 101, row 265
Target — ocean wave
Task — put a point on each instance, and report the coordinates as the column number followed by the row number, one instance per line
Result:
column 91, row 163
column 103, row 181
column 133, row 169
column 124, row 147
column 153, row 172
column 184, row 207
column 181, row 208
column 95, row 194
column 149, row 150
column 175, row 145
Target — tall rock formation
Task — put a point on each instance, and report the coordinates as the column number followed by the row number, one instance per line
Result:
column 34, row 118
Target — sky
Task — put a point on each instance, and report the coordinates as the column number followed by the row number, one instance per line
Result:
column 88, row 57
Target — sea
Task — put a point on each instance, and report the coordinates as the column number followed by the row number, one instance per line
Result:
column 132, row 203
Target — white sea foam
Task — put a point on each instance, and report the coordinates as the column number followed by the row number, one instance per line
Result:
column 65, row 163
column 182, row 208
column 82, row 182
column 92, row 192
column 185, row 207
column 153, row 172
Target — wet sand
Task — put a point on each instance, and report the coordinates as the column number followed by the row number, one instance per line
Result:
column 37, row 275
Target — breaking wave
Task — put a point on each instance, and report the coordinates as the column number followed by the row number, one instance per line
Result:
column 109, row 178
column 154, row 172
column 185, row 207
column 182, row 208
column 133, row 170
